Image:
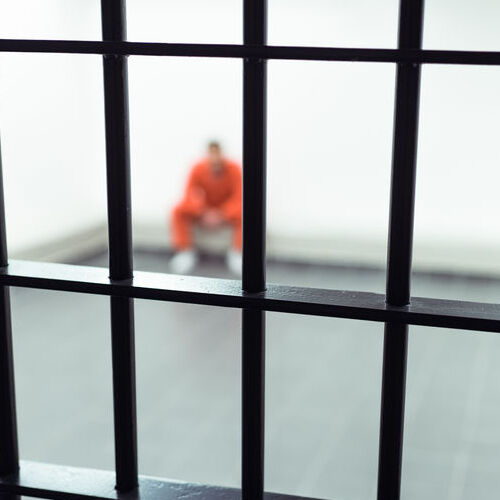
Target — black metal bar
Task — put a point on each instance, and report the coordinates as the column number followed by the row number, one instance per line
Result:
column 474, row 316
column 120, row 245
column 404, row 158
column 124, row 403
column 392, row 410
column 254, row 250
column 117, row 144
column 4, row 259
column 71, row 483
column 404, row 162
column 261, row 52
column 254, row 174
column 253, row 380
column 9, row 454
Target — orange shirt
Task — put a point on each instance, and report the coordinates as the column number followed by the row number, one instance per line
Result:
column 206, row 189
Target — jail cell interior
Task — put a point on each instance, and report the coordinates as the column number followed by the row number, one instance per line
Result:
column 396, row 309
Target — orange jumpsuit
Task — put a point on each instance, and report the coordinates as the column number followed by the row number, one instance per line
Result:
column 207, row 190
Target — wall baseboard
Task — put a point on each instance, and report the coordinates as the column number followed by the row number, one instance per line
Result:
column 461, row 258
column 455, row 258
column 72, row 247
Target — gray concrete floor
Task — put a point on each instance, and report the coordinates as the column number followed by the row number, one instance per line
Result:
column 323, row 390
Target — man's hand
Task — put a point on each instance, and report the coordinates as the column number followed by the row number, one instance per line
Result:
column 212, row 218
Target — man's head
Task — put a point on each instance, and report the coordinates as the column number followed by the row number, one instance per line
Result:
column 214, row 154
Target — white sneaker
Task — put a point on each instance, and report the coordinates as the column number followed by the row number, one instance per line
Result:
column 234, row 261
column 183, row 262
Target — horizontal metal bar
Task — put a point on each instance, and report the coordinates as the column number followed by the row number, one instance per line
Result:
column 279, row 298
column 262, row 52
column 71, row 483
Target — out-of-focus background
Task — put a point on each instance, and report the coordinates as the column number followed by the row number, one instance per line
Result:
column 329, row 158
column 330, row 129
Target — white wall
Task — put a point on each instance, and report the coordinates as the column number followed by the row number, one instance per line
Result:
column 51, row 125
column 330, row 124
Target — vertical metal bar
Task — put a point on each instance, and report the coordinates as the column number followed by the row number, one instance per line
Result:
column 124, row 404
column 9, row 454
column 392, row 411
column 400, row 252
column 254, row 250
column 254, row 150
column 253, row 360
column 120, row 245
column 404, row 156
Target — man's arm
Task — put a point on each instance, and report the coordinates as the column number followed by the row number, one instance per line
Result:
column 194, row 195
column 231, row 208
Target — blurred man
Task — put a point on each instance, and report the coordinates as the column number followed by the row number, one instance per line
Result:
column 212, row 198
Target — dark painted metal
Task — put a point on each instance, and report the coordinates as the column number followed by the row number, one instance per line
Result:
column 117, row 144
column 254, row 250
column 279, row 298
column 124, row 399
column 253, row 390
column 404, row 166
column 262, row 52
column 392, row 410
column 404, row 159
column 254, row 150
column 9, row 455
column 71, row 483
column 120, row 245
column 62, row 482
column 4, row 260
column 254, row 175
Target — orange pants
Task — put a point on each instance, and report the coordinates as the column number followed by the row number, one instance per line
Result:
column 182, row 221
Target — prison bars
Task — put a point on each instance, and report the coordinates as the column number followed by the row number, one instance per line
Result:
column 404, row 165
column 113, row 18
column 253, row 299
column 254, row 251
column 376, row 55
column 9, row 454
